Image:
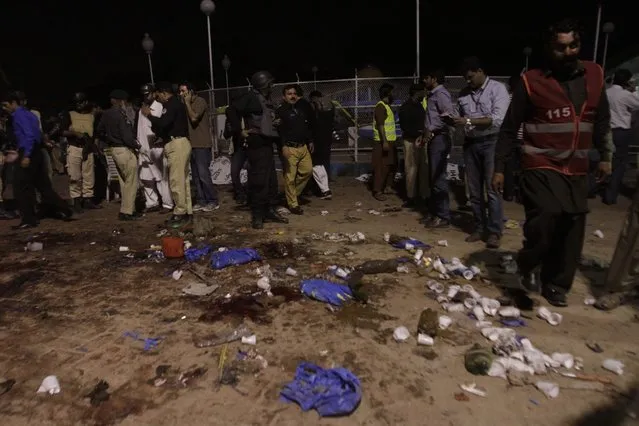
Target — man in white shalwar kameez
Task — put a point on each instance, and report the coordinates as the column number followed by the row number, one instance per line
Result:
column 153, row 167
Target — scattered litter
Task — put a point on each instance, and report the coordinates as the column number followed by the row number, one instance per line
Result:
column 613, row 365
column 249, row 340
column 444, row 322
column 326, row 291
column 337, row 237
column 124, row 249
column 462, row 397
column 589, row 301
column 199, row 289
column 551, row 390
column 332, row 392
column 532, row 401
column 34, row 246
column 221, row 260
column 364, row 178
column 424, row 339
column 401, row 334
column 149, row 342
column 324, row 212
column 509, row 312
column 6, row 385
column 551, row 318
column 291, row 272
column 478, row 360
column 99, row 393
column 374, row 212
column 228, row 337
column 49, row 385
column 443, row 243
column 177, row 274
column 595, row 347
column 598, row 234
column 474, row 389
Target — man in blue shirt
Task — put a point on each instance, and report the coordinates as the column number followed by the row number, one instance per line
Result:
column 31, row 173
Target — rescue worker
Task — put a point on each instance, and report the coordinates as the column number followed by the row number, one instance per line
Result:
column 153, row 166
column 78, row 128
column 172, row 128
column 116, row 129
column 258, row 111
column 384, row 156
column 297, row 146
column 554, row 161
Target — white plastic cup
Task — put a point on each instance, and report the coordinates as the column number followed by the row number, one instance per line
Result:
column 249, row 340
column 290, row 271
column 425, row 339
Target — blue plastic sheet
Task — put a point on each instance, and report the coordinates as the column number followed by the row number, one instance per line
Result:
column 415, row 243
column 149, row 342
column 222, row 259
column 332, row 392
column 326, row 291
column 196, row 253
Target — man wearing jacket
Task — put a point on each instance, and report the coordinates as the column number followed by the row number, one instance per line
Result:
column 565, row 112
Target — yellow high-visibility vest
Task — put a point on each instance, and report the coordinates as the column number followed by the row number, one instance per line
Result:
column 389, row 125
column 82, row 123
column 425, row 103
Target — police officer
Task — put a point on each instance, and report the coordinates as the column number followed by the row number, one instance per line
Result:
column 78, row 126
column 258, row 111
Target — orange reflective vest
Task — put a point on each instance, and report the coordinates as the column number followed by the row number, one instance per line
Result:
column 557, row 136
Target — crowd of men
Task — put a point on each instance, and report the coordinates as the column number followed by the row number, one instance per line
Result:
column 556, row 131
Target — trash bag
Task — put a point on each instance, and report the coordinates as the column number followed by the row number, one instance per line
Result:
column 196, row 253
column 222, row 259
column 402, row 244
column 326, row 291
column 332, row 392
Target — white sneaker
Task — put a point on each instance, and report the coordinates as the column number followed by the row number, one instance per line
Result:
column 209, row 207
column 198, row 208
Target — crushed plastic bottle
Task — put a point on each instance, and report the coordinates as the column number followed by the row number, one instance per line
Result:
column 231, row 336
column 613, row 365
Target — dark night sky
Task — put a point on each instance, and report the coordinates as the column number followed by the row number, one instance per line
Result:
column 51, row 49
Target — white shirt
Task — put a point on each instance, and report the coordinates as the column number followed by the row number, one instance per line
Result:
column 622, row 104
column 144, row 125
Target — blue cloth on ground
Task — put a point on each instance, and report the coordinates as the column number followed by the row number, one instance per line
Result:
column 332, row 392
column 415, row 243
column 222, row 259
column 326, row 291
column 196, row 253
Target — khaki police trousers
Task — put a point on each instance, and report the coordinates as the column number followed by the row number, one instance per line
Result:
column 127, row 164
column 178, row 156
column 299, row 169
column 81, row 173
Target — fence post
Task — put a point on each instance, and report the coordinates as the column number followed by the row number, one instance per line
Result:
column 356, row 116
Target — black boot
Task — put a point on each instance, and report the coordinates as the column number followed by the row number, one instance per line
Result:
column 77, row 205
column 89, row 204
column 273, row 216
column 257, row 219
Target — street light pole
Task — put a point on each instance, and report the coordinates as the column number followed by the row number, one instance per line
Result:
column 208, row 7
column 314, row 69
column 527, row 53
column 226, row 64
column 599, row 11
column 417, row 39
column 147, row 45
column 608, row 27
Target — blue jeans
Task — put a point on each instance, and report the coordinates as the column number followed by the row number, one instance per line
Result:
column 200, row 162
column 439, row 202
column 479, row 159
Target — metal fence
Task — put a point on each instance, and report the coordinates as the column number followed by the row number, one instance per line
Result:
column 355, row 99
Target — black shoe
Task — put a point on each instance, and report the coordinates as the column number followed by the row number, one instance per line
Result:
column 409, row 204
column 439, row 223
column 529, row 281
column 24, row 226
column 426, row 220
column 88, row 204
column 257, row 222
column 328, row 195
column 127, row 217
column 166, row 211
column 178, row 221
column 77, row 205
column 493, row 241
column 8, row 215
column 273, row 216
column 303, row 201
column 153, row 209
column 296, row 210
column 474, row 237
column 554, row 297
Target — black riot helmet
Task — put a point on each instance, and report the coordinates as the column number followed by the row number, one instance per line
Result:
column 80, row 101
column 261, row 80
column 147, row 89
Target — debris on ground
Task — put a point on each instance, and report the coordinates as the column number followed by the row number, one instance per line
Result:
column 228, row 337
column 6, row 385
column 49, row 385
column 99, row 393
column 199, row 289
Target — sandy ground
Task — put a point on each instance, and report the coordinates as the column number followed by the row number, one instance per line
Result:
column 64, row 311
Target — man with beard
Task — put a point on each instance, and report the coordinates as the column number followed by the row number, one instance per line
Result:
column 78, row 126
column 153, row 170
column 565, row 112
column 258, row 111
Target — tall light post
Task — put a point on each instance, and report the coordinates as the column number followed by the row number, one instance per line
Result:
column 226, row 64
column 314, row 69
column 208, row 7
column 608, row 27
column 147, row 45
column 599, row 11
column 527, row 53
column 417, row 39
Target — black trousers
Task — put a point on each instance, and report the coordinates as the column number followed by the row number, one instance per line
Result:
column 27, row 181
column 262, row 178
column 553, row 241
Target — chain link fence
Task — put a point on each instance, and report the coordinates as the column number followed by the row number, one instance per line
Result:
column 354, row 98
